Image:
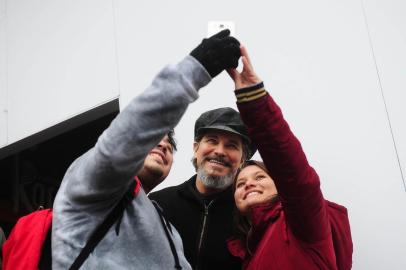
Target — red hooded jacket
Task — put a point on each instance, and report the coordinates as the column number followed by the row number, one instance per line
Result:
column 302, row 230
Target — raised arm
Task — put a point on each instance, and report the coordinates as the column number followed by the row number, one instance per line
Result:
column 297, row 182
column 105, row 171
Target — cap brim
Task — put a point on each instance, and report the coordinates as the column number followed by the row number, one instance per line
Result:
column 251, row 146
column 222, row 128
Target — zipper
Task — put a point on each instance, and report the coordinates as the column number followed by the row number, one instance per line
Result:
column 206, row 214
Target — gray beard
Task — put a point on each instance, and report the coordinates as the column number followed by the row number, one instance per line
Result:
column 215, row 182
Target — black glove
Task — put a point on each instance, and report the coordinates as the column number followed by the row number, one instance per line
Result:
column 219, row 52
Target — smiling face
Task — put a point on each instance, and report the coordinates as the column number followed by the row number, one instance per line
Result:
column 157, row 164
column 253, row 187
column 218, row 155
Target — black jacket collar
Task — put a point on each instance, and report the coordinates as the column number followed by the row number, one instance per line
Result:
column 188, row 189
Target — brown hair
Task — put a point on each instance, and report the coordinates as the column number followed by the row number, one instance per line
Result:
column 252, row 162
column 171, row 138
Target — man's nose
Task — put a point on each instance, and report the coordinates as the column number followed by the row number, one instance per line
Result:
column 162, row 146
column 220, row 150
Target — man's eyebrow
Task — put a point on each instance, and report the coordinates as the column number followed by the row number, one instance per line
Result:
column 211, row 135
column 234, row 141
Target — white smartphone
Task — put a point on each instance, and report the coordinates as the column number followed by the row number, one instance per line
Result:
column 213, row 27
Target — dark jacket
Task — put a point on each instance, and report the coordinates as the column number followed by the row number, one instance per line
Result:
column 299, row 231
column 206, row 226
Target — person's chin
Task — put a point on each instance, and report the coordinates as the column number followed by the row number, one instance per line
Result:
column 155, row 167
column 217, row 174
column 254, row 201
column 157, row 159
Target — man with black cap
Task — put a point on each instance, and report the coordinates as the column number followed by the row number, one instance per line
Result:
column 201, row 209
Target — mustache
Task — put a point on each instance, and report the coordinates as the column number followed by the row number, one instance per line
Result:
column 220, row 159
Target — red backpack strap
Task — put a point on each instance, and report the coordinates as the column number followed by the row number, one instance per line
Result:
column 341, row 233
column 22, row 250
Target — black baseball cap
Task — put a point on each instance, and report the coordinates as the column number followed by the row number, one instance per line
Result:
column 224, row 119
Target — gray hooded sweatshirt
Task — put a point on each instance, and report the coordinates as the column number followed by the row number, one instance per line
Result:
column 97, row 180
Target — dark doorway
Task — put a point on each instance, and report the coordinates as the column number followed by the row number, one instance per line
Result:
column 30, row 177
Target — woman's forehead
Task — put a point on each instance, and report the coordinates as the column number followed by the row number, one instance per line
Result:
column 250, row 169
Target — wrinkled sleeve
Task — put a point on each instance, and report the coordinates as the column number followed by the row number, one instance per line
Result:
column 297, row 182
column 105, row 171
column 97, row 180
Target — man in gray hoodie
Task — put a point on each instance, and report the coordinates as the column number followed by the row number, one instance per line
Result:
column 97, row 181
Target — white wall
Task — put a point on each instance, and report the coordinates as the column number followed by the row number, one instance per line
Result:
column 386, row 214
column 3, row 76
column 61, row 61
column 316, row 60
column 387, row 25
column 327, row 63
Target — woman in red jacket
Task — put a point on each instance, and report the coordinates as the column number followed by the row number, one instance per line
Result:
column 284, row 221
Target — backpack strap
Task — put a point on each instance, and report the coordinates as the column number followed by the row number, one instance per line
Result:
column 115, row 215
column 168, row 231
